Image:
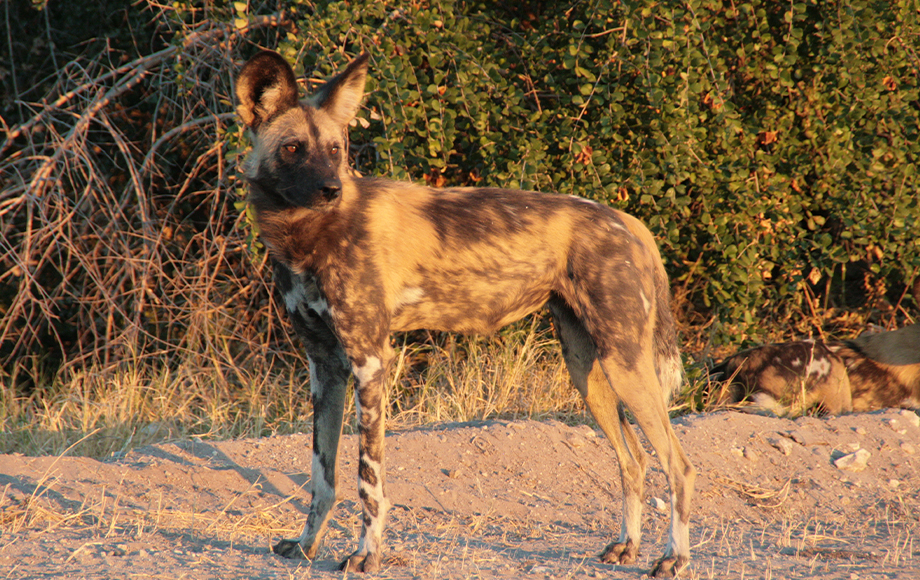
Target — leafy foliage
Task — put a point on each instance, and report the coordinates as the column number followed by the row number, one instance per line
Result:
column 771, row 147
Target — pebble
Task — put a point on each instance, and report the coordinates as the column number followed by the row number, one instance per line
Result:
column 854, row 461
column 911, row 417
column 781, row 443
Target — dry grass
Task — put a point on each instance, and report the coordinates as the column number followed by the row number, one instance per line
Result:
column 518, row 373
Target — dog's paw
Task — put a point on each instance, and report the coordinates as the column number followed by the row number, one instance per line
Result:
column 669, row 566
column 290, row 549
column 620, row 553
column 361, row 563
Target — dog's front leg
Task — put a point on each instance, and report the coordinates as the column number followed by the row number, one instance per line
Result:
column 328, row 386
column 329, row 373
column 370, row 398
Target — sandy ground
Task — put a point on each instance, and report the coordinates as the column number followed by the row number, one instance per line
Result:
column 492, row 500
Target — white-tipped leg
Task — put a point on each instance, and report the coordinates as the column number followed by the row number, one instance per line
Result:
column 328, row 379
column 677, row 555
column 633, row 465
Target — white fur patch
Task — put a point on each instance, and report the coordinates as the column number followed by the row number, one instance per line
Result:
column 270, row 98
column 318, row 481
column 408, row 296
column 363, row 374
column 296, row 301
column 295, row 298
column 366, row 372
column 819, row 368
column 764, row 403
column 679, row 536
column 631, row 524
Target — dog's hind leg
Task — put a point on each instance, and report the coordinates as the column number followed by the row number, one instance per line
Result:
column 580, row 357
column 329, row 373
column 607, row 384
column 639, row 389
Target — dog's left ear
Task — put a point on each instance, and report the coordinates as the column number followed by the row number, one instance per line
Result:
column 341, row 96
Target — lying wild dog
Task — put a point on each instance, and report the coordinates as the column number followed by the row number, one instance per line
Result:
column 358, row 258
column 884, row 368
column 786, row 378
column 870, row 372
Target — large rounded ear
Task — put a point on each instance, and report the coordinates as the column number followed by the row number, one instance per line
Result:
column 266, row 87
column 341, row 96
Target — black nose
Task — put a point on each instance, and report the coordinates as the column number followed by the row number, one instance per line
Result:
column 332, row 189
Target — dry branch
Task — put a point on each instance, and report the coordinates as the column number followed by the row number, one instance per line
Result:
column 116, row 243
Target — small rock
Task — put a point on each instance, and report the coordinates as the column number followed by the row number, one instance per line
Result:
column 751, row 455
column 737, row 451
column 853, row 461
column 894, row 483
column 860, row 430
column 896, row 426
column 911, row 417
column 908, row 448
column 575, row 441
column 781, row 443
column 659, row 504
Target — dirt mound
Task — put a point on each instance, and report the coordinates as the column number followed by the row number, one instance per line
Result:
column 776, row 498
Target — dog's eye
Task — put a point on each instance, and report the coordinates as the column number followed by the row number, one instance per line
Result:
column 334, row 150
column 291, row 148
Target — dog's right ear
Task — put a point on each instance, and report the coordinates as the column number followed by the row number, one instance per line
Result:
column 266, row 87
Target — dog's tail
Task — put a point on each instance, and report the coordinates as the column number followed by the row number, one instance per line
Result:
column 668, row 364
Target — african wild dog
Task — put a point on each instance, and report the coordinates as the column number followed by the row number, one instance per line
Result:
column 864, row 374
column 787, row 378
column 358, row 258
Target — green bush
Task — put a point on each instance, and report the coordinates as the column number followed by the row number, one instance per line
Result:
column 770, row 146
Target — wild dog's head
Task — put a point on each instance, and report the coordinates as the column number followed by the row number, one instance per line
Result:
column 299, row 156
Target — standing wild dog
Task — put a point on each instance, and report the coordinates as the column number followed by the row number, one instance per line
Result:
column 358, row 258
